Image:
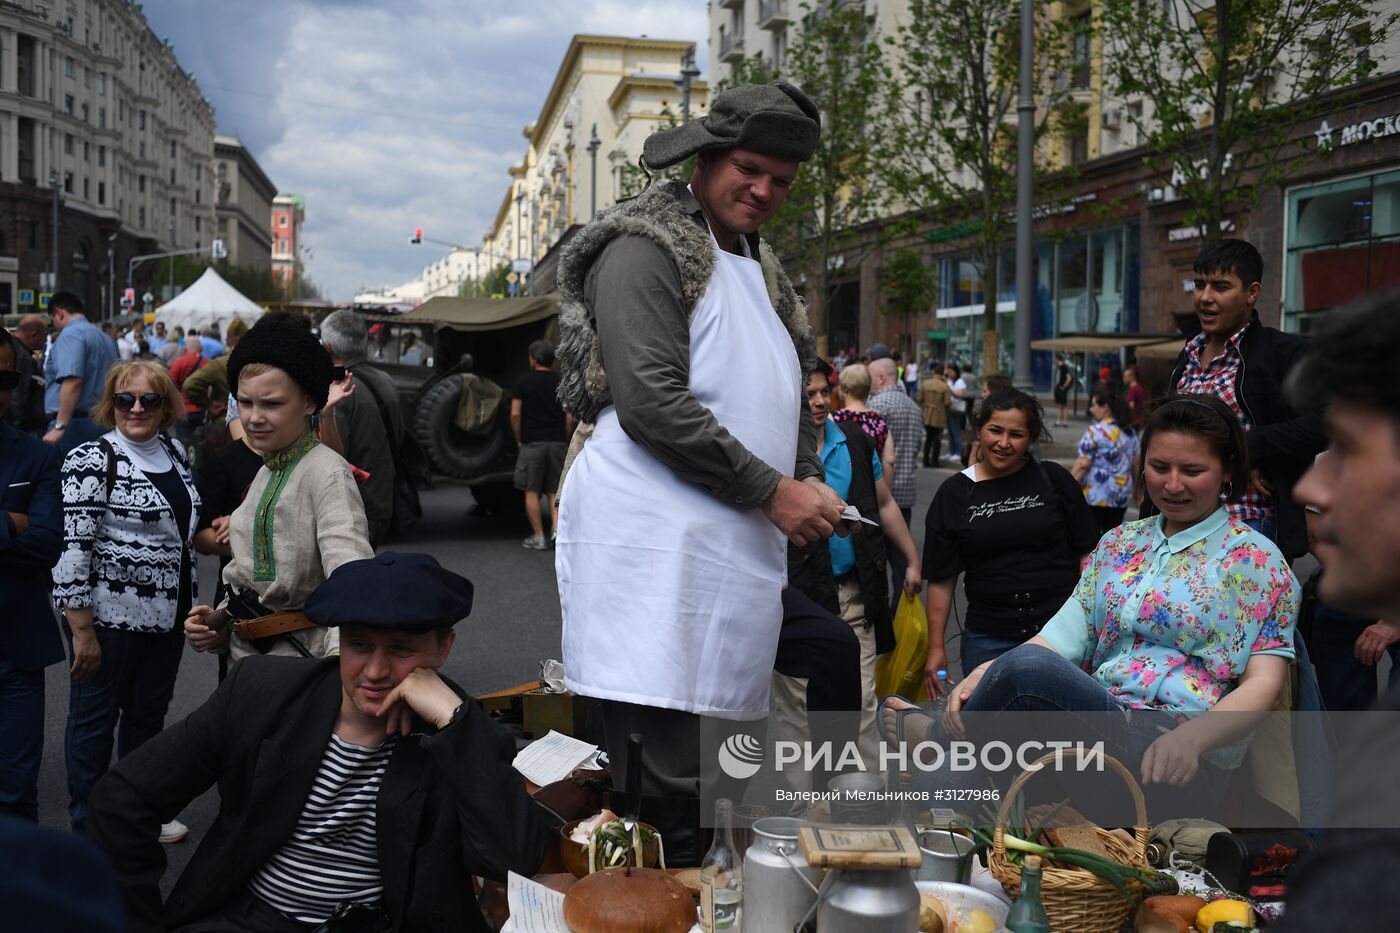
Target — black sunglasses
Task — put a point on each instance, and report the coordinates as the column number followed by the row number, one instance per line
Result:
column 124, row 401
column 10, row 379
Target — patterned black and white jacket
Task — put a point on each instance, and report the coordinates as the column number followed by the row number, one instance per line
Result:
column 121, row 553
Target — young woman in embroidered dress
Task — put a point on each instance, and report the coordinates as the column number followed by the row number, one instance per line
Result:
column 303, row 515
column 1176, row 618
column 127, row 575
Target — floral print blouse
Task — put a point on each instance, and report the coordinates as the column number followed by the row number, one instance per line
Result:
column 1109, row 480
column 1170, row 623
column 872, row 423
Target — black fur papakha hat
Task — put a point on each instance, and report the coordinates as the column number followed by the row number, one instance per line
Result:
column 291, row 349
column 775, row 119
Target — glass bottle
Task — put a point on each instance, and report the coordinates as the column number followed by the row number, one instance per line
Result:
column 1028, row 914
column 722, row 876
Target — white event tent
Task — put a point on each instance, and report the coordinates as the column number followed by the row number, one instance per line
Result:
column 208, row 301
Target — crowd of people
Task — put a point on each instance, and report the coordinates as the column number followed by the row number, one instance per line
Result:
column 730, row 516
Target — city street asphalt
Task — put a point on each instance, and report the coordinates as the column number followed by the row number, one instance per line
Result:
column 514, row 625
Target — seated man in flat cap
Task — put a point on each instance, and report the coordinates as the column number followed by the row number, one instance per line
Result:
column 685, row 345
column 359, row 784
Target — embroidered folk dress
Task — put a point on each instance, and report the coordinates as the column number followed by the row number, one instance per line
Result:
column 302, row 518
column 1170, row 623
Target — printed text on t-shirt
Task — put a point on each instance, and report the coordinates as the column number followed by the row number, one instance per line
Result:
column 1018, row 504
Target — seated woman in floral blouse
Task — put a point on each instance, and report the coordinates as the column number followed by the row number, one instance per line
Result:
column 1182, row 615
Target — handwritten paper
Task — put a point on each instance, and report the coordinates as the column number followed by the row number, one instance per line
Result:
column 533, row 907
column 552, row 758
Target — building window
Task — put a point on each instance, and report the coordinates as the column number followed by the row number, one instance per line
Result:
column 68, row 182
column 87, row 190
column 197, row 197
column 101, row 192
column 69, row 67
column 140, row 119
column 68, row 144
column 172, row 149
column 141, row 183
column 197, row 224
column 87, row 114
column 141, row 218
column 282, row 245
column 68, row 103
column 1343, row 241
column 87, row 152
column 1080, row 52
column 198, row 172
column 172, row 176
column 141, row 150
column 102, row 82
column 282, row 220
column 101, row 118
column 101, row 156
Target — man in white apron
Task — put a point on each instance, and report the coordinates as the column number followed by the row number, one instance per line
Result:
column 685, row 346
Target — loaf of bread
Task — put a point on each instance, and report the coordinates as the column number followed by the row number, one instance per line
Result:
column 639, row 900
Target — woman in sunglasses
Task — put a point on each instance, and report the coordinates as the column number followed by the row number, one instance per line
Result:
column 126, row 578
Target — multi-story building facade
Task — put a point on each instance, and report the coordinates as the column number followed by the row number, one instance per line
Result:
column 609, row 94
column 288, row 213
column 97, row 114
column 1113, row 251
column 243, row 196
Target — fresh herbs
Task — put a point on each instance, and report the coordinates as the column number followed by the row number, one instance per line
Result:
column 609, row 844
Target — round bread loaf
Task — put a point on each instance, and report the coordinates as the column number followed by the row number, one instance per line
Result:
column 638, row 900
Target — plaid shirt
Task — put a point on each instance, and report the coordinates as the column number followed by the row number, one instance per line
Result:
column 1220, row 379
column 906, row 421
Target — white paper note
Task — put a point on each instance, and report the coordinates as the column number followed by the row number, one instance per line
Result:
column 552, row 758
column 533, row 907
column 852, row 514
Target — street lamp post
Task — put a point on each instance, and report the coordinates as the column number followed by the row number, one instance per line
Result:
column 688, row 75
column 53, row 183
column 1025, row 153
column 593, row 144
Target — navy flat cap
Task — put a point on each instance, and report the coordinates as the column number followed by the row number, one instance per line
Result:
column 410, row 592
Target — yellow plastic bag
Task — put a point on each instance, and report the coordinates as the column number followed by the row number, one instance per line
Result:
column 901, row 671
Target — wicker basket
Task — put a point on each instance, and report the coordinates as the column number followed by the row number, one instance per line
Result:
column 1076, row 900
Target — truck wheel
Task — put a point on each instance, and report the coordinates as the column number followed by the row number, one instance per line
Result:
column 452, row 451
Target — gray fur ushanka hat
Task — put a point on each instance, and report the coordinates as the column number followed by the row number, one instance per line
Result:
column 776, row 119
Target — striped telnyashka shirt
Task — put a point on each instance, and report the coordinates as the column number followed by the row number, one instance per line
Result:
column 331, row 858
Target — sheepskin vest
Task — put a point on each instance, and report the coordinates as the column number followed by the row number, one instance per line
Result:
column 658, row 214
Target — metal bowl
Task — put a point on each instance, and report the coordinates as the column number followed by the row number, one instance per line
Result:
column 964, row 899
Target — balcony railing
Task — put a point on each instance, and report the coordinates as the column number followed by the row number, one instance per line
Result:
column 772, row 14
column 731, row 49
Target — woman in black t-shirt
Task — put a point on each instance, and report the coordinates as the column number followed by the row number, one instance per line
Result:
column 1017, row 528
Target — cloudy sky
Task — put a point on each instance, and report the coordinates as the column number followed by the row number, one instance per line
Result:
column 391, row 115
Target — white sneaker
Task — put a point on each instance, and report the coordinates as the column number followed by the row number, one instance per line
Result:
column 533, row 544
column 173, row 832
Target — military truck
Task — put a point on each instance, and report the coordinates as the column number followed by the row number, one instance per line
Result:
column 488, row 338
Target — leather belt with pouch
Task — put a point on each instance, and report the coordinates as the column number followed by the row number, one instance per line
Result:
column 272, row 625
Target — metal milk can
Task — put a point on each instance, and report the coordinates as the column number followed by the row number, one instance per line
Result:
column 868, row 900
column 779, row 886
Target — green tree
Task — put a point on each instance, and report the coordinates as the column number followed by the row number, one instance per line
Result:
column 837, row 60
column 949, row 146
column 1227, row 82
column 908, row 283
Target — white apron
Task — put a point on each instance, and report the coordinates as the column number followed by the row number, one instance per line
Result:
column 670, row 597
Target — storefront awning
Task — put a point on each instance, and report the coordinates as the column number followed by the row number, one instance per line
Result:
column 1166, row 350
column 1090, row 344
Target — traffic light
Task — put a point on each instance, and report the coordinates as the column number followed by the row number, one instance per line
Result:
column 417, row 236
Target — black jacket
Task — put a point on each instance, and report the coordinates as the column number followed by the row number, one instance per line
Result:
column 450, row 805
column 809, row 568
column 1282, row 443
column 29, row 485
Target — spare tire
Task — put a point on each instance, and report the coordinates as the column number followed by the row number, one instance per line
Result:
column 450, row 450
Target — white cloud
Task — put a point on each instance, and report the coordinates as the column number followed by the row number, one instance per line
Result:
column 388, row 117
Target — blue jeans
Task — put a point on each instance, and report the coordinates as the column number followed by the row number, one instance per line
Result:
column 21, row 738
column 955, row 426
column 978, row 648
column 1265, row 526
column 80, row 431
column 128, row 696
column 1031, row 678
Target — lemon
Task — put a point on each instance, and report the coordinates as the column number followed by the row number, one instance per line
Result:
column 1218, row 911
